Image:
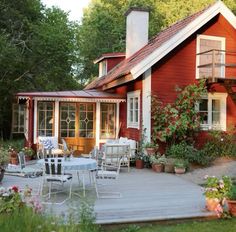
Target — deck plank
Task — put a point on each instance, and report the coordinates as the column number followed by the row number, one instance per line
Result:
column 146, row 196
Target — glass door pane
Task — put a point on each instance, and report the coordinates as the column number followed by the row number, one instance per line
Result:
column 86, row 120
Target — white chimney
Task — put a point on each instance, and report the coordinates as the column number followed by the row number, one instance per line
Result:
column 136, row 29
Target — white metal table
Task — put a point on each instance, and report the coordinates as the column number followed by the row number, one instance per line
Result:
column 76, row 164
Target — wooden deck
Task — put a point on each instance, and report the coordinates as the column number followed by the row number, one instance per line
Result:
column 146, row 196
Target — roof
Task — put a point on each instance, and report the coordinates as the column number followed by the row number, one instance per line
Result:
column 109, row 55
column 88, row 94
column 163, row 43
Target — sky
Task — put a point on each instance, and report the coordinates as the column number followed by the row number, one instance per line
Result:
column 74, row 6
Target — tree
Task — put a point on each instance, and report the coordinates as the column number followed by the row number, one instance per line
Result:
column 103, row 25
column 38, row 52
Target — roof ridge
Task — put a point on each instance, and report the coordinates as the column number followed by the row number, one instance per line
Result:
column 180, row 21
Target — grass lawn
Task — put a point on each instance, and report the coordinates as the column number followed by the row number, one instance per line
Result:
column 198, row 226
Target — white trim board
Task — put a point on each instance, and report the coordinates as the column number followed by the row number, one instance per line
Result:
column 182, row 35
column 146, row 106
column 61, row 99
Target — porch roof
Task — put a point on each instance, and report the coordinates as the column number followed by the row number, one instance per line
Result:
column 80, row 95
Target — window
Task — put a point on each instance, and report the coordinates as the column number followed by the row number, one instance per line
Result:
column 133, row 106
column 205, row 45
column 86, row 120
column 19, row 118
column 67, row 119
column 102, row 68
column 108, row 120
column 45, row 118
column 212, row 111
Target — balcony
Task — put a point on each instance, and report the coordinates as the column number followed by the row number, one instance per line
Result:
column 217, row 65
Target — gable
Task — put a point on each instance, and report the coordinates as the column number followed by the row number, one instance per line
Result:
column 161, row 45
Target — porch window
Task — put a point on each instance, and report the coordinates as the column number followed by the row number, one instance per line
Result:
column 45, row 118
column 133, row 106
column 210, row 61
column 212, row 111
column 67, row 119
column 19, row 118
column 86, row 120
column 108, row 120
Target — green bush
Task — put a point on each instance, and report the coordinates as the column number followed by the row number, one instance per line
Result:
column 222, row 143
column 190, row 154
column 16, row 144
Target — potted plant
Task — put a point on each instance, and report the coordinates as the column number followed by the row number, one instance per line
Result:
column 169, row 165
column 4, row 160
column 13, row 155
column 216, row 190
column 180, row 166
column 150, row 148
column 231, row 200
column 139, row 160
column 29, row 153
column 157, row 163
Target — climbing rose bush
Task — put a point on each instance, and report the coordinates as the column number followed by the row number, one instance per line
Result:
column 178, row 121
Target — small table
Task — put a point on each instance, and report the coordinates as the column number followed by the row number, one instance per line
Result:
column 76, row 164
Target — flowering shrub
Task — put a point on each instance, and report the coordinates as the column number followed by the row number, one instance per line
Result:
column 217, row 188
column 12, row 199
column 178, row 121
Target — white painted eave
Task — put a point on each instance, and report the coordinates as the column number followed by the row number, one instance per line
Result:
column 182, row 35
column 60, row 99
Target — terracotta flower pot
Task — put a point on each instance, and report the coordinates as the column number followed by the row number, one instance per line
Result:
column 14, row 160
column 180, row 170
column 27, row 158
column 150, row 150
column 139, row 164
column 158, row 167
column 169, row 168
column 211, row 204
column 232, row 207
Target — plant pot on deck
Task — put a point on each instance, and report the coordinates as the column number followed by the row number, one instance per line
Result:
column 28, row 158
column 13, row 158
column 232, row 207
column 211, row 204
column 179, row 170
column 158, row 167
column 169, row 168
column 139, row 164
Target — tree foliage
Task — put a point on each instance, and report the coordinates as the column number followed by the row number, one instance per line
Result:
column 103, row 25
column 38, row 50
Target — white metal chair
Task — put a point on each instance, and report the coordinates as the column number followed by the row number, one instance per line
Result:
column 114, row 152
column 49, row 147
column 54, row 173
column 108, row 172
column 22, row 169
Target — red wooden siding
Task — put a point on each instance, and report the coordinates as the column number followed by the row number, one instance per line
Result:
column 178, row 68
column 112, row 62
column 130, row 133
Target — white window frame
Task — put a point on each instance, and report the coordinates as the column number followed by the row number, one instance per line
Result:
column 103, row 68
column 208, row 37
column 223, row 111
column 132, row 95
column 19, row 109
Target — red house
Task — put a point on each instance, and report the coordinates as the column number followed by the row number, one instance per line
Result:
column 118, row 102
